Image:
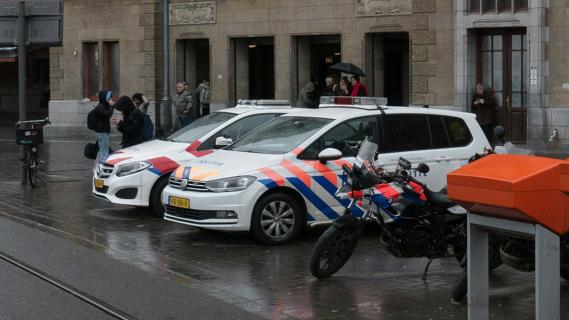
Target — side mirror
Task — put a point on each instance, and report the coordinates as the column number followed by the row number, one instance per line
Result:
column 404, row 163
column 222, row 141
column 329, row 154
column 423, row 168
column 500, row 133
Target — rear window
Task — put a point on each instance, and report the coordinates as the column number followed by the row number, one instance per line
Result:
column 410, row 132
column 458, row 132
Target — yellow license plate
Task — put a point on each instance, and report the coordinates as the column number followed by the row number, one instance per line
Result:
column 180, row 202
column 99, row 183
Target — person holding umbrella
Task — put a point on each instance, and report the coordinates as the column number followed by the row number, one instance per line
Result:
column 359, row 89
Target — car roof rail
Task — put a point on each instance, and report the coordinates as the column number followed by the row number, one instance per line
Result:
column 263, row 103
column 365, row 103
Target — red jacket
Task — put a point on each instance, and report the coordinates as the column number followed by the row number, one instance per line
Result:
column 359, row 90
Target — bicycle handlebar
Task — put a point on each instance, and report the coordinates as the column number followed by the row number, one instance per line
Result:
column 44, row 121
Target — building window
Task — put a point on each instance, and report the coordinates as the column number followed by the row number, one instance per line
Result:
column 111, row 66
column 497, row 6
column 91, row 64
column 101, row 71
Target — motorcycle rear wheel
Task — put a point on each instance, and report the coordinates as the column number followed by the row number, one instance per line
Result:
column 460, row 288
column 332, row 250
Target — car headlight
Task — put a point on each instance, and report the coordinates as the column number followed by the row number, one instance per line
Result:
column 230, row 184
column 131, row 168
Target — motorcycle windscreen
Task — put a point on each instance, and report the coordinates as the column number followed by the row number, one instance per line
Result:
column 367, row 150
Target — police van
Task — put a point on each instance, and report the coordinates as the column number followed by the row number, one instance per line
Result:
column 284, row 174
column 137, row 175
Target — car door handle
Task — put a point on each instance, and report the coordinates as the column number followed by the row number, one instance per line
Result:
column 442, row 158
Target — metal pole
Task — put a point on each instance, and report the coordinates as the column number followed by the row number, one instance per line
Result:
column 22, row 74
column 477, row 266
column 166, row 102
column 547, row 269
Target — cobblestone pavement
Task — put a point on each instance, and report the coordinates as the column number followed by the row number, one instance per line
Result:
column 271, row 281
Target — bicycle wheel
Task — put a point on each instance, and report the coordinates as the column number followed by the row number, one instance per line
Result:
column 33, row 163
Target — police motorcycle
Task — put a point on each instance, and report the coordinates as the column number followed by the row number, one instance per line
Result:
column 414, row 221
column 516, row 252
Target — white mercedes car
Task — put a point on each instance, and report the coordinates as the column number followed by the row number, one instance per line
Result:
column 137, row 175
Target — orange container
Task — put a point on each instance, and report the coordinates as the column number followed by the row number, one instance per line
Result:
column 517, row 187
column 564, row 175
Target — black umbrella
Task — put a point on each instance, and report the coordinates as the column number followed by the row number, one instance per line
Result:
column 347, row 68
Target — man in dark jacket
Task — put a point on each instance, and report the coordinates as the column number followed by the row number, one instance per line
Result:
column 483, row 107
column 104, row 111
column 131, row 124
column 306, row 96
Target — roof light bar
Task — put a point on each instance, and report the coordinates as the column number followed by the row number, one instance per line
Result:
column 355, row 102
column 263, row 103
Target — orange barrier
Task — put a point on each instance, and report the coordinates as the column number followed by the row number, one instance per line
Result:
column 517, row 187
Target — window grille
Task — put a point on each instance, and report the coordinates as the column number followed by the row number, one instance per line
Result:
column 497, row 6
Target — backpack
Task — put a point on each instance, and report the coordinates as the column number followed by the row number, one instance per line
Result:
column 204, row 95
column 147, row 128
column 90, row 151
column 92, row 120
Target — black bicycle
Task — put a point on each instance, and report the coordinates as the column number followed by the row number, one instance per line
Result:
column 30, row 135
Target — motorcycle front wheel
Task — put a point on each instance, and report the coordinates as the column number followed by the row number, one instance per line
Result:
column 332, row 250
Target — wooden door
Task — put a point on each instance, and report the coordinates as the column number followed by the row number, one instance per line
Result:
column 502, row 66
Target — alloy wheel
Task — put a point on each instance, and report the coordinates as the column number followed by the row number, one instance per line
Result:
column 277, row 219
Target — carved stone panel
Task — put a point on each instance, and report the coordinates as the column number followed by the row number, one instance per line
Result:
column 371, row 8
column 192, row 13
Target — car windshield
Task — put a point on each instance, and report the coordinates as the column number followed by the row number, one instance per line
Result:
column 280, row 136
column 200, row 127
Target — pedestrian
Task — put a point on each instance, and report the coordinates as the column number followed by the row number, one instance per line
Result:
column 202, row 93
column 182, row 104
column 306, row 96
column 332, row 88
column 141, row 102
column 483, row 107
column 102, row 124
column 132, row 122
column 358, row 88
column 345, row 87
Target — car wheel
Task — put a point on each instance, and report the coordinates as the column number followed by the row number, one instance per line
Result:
column 277, row 219
column 156, row 206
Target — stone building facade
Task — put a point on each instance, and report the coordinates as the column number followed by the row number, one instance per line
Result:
column 415, row 52
column 131, row 28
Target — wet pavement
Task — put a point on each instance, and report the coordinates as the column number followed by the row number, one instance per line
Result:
column 273, row 282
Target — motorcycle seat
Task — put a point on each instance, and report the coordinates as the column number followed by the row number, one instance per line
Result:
column 439, row 199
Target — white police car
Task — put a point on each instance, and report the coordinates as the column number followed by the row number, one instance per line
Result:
column 284, row 174
column 137, row 175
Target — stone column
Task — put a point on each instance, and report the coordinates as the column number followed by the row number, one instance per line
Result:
column 282, row 66
column 221, row 65
column 304, row 61
column 56, row 73
column 538, row 124
column 242, row 69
